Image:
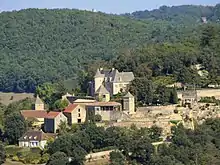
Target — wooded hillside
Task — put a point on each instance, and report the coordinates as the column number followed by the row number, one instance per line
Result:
column 40, row 46
column 185, row 14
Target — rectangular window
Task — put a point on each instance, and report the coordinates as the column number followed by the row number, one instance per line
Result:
column 79, row 115
column 78, row 110
column 79, row 121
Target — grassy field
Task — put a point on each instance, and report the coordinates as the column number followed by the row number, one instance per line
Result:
column 99, row 162
column 7, row 98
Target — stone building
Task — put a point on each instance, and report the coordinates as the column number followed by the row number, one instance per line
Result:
column 39, row 104
column 75, row 113
column 189, row 97
column 109, row 111
column 53, row 120
column 102, row 94
column 35, row 139
column 129, row 103
column 113, row 80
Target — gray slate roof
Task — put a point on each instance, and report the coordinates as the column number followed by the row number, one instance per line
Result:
column 129, row 95
column 102, row 90
column 115, row 75
column 38, row 100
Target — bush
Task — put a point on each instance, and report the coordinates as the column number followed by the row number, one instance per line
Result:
column 36, row 150
column 15, row 158
column 12, row 151
column 98, row 118
column 32, row 158
column 45, row 158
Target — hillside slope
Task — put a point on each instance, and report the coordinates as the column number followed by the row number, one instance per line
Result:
column 185, row 14
column 38, row 46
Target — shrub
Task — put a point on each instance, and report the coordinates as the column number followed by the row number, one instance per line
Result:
column 32, row 158
column 36, row 150
column 15, row 158
column 45, row 158
column 12, row 151
column 98, row 118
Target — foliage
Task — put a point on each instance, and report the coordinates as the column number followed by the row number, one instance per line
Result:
column 71, row 146
column 26, row 155
column 15, row 127
column 98, row 118
column 61, row 104
column 184, row 14
column 209, row 100
column 2, row 154
column 117, row 158
column 45, row 158
column 58, row 158
column 51, row 94
column 51, row 45
column 16, row 107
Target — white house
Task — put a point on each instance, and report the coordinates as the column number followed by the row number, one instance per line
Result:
column 35, row 139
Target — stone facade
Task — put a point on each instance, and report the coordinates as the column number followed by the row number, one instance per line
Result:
column 109, row 111
column 39, row 105
column 113, row 80
column 102, row 94
column 53, row 120
column 75, row 113
column 129, row 103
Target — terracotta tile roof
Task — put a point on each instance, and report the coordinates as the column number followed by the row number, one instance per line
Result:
column 33, row 114
column 70, row 108
column 36, row 136
column 103, row 104
column 52, row 115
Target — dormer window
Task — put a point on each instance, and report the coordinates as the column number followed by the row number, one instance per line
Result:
column 30, row 137
column 119, row 78
column 25, row 137
column 35, row 137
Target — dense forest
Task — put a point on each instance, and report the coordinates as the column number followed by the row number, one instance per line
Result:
column 185, row 14
column 39, row 45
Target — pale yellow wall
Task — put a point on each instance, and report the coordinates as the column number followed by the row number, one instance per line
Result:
column 98, row 82
column 58, row 119
column 129, row 105
column 39, row 107
column 99, row 97
column 75, row 114
column 118, row 86
column 106, row 115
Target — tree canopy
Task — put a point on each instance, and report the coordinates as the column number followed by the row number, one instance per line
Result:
column 40, row 45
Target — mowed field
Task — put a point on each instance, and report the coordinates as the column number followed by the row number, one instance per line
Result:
column 7, row 98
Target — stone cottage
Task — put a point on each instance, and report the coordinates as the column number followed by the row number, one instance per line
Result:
column 53, row 120
column 75, row 113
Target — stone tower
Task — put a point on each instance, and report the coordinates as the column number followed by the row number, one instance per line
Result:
column 129, row 103
column 39, row 105
column 99, row 78
column 102, row 94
